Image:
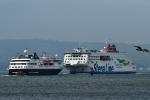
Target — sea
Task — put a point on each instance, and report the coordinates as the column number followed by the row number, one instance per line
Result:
column 81, row 86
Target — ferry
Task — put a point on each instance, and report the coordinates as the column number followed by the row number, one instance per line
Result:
column 106, row 61
column 32, row 64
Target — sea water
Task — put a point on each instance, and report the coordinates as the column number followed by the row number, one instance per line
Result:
column 76, row 87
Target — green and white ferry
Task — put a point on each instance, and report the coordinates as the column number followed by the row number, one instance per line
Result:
column 106, row 61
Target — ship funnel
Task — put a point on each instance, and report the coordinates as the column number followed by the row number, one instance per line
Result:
column 35, row 56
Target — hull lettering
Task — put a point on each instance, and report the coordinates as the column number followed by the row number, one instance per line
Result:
column 103, row 68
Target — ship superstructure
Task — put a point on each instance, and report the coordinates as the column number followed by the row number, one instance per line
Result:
column 77, row 60
column 108, row 60
column 31, row 64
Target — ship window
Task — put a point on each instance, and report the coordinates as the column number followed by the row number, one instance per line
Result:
column 20, row 60
column 104, row 58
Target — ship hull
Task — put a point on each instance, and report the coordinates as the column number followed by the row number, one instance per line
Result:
column 86, row 69
column 34, row 71
column 78, row 68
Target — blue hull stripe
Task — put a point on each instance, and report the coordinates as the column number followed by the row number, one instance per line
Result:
column 114, row 72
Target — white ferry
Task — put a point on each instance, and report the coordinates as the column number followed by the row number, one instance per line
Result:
column 106, row 61
column 31, row 64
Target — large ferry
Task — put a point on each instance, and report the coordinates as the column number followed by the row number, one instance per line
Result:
column 106, row 61
column 32, row 64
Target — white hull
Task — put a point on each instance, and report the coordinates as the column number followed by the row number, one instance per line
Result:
column 99, row 70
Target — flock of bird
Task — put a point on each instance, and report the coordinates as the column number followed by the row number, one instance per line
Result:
column 138, row 48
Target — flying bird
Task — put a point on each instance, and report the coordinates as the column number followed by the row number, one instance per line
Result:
column 138, row 48
column 145, row 50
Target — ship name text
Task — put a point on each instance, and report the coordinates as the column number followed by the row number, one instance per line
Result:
column 103, row 68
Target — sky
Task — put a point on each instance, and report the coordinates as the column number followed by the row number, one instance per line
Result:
column 76, row 20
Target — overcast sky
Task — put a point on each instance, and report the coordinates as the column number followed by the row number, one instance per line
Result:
column 76, row 20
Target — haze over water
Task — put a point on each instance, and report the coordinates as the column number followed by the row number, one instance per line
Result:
column 76, row 20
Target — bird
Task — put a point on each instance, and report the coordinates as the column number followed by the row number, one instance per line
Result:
column 145, row 50
column 138, row 48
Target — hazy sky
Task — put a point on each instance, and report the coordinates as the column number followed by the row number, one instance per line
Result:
column 76, row 20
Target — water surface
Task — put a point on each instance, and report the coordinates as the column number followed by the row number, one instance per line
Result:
column 76, row 87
